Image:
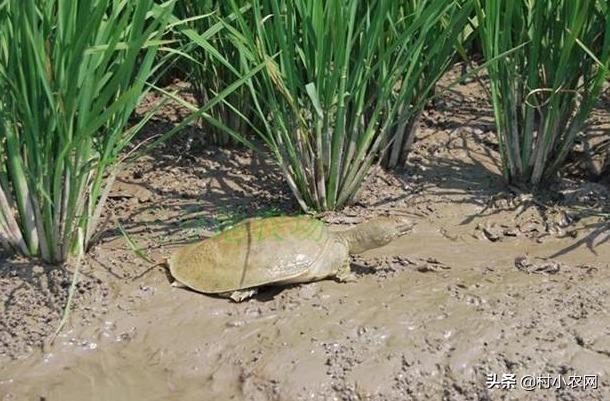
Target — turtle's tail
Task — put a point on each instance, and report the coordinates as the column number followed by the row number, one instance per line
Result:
column 163, row 264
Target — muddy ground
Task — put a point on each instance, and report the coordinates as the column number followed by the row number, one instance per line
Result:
column 491, row 282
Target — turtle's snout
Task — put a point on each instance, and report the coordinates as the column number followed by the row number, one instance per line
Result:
column 390, row 228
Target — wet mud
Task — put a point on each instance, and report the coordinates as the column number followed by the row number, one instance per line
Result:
column 490, row 282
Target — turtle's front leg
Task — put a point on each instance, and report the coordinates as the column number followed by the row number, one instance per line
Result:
column 241, row 295
column 344, row 274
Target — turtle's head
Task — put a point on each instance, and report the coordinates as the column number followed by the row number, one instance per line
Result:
column 377, row 232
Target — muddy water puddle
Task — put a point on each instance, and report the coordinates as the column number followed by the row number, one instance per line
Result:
column 402, row 331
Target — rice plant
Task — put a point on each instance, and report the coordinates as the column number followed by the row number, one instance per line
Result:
column 210, row 72
column 344, row 81
column 431, row 53
column 71, row 73
column 544, row 89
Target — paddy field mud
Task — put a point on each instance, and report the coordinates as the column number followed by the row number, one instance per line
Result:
column 491, row 282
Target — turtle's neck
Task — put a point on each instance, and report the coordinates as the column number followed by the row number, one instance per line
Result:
column 357, row 239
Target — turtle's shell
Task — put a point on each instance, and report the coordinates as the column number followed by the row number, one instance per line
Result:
column 255, row 252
